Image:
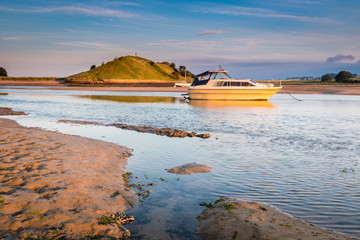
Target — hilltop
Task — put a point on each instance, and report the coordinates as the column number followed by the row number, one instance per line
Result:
column 128, row 69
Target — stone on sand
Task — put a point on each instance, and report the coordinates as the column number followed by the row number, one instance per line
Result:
column 190, row 168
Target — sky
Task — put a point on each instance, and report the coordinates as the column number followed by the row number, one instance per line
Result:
column 258, row 39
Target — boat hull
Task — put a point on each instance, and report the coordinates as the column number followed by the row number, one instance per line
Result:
column 244, row 94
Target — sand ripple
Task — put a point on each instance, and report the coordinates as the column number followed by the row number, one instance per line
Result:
column 52, row 184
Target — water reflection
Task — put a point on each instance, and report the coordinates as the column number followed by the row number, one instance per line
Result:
column 210, row 104
column 133, row 99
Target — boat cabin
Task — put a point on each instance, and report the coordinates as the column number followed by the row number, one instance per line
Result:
column 220, row 79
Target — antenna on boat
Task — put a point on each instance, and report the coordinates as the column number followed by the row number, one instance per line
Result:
column 185, row 71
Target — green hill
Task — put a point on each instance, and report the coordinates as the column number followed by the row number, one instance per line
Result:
column 128, row 68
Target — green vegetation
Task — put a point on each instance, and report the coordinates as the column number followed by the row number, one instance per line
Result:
column 3, row 72
column 286, row 225
column 210, row 204
column 128, row 67
column 344, row 76
column 127, row 176
column 29, row 78
column 326, row 78
column 230, row 206
column 2, row 200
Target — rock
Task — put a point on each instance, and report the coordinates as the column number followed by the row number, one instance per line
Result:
column 145, row 129
column 203, row 135
column 190, row 168
column 8, row 111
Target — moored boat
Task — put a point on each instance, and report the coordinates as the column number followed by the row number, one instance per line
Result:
column 219, row 85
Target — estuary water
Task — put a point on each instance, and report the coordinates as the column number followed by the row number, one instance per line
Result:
column 302, row 157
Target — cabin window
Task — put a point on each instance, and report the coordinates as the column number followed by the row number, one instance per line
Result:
column 227, row 76
column 213, row 76
column 204, row 77
column 220, row 76
column 246, row 84
column 237, row 84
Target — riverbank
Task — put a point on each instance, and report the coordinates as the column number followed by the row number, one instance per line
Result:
column 231, row 218
column 353, row 89
column 54, row 185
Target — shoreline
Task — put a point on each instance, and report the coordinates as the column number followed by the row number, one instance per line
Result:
column 292, row 89
column 45, row 191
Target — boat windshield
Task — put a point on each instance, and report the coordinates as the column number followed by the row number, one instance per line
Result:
column 220, row 76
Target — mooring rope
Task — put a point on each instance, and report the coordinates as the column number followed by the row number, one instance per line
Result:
column 292, row 95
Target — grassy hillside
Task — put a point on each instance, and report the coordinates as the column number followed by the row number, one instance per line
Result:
column 128, row 67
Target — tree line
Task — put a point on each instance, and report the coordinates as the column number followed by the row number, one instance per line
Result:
column 181, row 71
column 3, row 72
column 341, row 77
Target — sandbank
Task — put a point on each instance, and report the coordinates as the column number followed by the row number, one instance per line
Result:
column 231, row 218
column 349, row 89
column 54, row 185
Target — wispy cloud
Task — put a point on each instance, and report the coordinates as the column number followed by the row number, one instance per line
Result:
column 341, row 58
column 84, row 44
column 10, row 38
column 210, row 32
column 124, row 4
column 260, row 12
column 91, row 11
column 308, row 2
column 180, row 44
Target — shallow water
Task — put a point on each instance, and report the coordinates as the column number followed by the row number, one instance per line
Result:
column 302, row 157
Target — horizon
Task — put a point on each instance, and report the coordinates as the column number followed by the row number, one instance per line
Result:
column 250, row 39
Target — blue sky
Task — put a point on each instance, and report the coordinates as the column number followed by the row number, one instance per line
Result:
column 253, row 39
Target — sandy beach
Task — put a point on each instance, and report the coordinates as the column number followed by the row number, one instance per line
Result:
column 54, row 185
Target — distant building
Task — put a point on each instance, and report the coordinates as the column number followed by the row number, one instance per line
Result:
column 303, row 78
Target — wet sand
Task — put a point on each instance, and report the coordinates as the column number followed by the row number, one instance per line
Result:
column 54, row 185
column 232, row 218
column 292, row 89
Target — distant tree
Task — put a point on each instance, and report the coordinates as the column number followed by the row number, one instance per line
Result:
column 182, row 70
column 326, row 78
column 152, row 63
column 343, row 76
column 167, row 63
column 173, row 66
column 3, row 72
column 92, row 67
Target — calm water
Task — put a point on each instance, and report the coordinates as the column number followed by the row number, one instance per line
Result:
column 302, row 157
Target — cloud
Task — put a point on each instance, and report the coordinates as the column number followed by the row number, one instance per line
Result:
column 84, row 44
column 10, row 38
column 341, row 58
column 260, row 12
column 180, row 44
column 210, row 32
column 308, row 2
column 91, row 11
